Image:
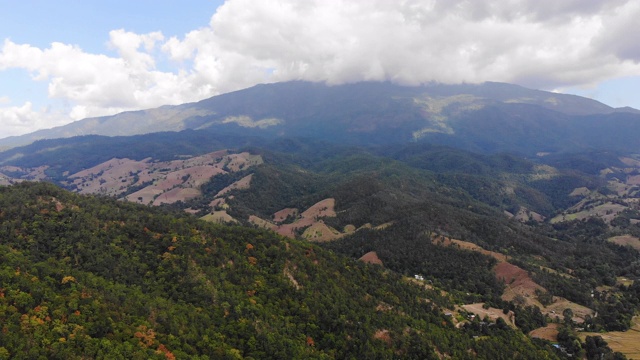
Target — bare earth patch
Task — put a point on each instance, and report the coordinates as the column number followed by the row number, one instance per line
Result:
column 382, row 226
column 324, row 208
column 371, row 258
column 560, row 304
column 519, row 283
column 320, row 232
column 262, row 223
column 626, row 240
column 283, row 214
column 241, row 184
column 445, row 241
column 525, row 215
column 175, row 195
column 349, row 229
column 606, row 212
column 221, row 202
column 219, row 217
column 383, row 335
column 316, row 229
column 161, row 182
column 289, row 275
column 491, row 313
column 621, row 280
column 581, row 191
column 633, row 180
column 5, row 180
column 630, row 161
column 549, row 332
column 237, row 162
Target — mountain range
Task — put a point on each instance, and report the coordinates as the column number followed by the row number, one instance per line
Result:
column 512, row 212
column 488, row 117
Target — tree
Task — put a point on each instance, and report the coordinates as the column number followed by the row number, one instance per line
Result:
column 596, row 348
column 568, row 316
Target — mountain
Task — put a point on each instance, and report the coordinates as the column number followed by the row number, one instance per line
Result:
column 416, row 209
column 468, row 115
column 87, row 277
column 512, row 218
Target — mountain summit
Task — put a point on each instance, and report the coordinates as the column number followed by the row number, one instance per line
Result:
column 467, row 115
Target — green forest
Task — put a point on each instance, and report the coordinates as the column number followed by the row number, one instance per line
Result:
column 96, row 277
column 92, row 277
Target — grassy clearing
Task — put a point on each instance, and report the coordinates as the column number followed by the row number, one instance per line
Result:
column 627, row 342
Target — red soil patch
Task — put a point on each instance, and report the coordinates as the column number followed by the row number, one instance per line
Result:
column 371, row 258
column 514, row 275
column 324, row 208
column 383, row 335
column 289, row 230
column 115, row 176
column 310, row 217
column 518, row 282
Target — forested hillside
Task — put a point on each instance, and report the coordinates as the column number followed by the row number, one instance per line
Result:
column 86, row 277
column 526, row 237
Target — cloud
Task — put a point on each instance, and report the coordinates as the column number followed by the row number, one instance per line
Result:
column 546, row 44
column 17, row 120
column 541, row 44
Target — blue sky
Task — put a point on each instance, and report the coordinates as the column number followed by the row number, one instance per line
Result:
column 86, row 24
column 616, row 92
column 64, row 60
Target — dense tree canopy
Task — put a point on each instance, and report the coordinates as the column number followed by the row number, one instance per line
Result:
column 86, row 277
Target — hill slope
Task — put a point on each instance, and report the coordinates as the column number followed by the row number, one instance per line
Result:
column 87, row 277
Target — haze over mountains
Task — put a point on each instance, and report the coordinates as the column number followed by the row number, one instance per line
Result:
column 486, row 117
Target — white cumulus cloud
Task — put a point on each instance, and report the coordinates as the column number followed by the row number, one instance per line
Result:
column 17, row 120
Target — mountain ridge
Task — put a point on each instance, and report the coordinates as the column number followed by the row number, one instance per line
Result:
column 358, row 112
